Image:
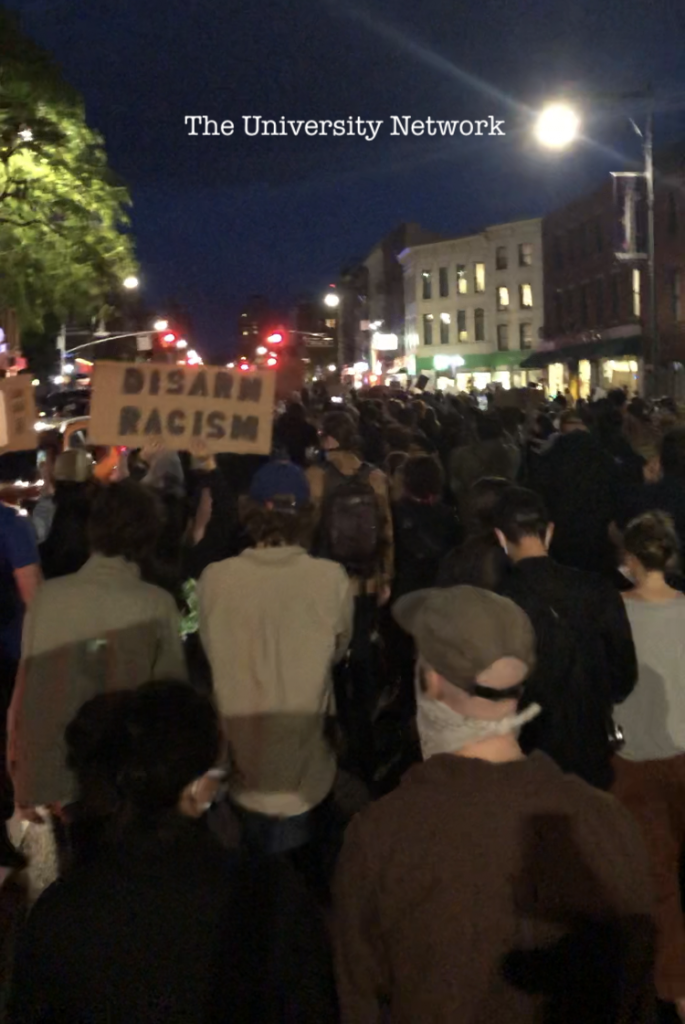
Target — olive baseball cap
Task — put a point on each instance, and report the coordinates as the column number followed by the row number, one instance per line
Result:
column 461, row 631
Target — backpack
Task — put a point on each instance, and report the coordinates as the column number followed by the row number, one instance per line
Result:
column 350, row 530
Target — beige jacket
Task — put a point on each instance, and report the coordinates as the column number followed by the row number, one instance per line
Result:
column 349, row 464
column 96, row 631
column 273, row 621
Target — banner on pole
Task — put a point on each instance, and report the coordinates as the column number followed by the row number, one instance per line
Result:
column 17, row 414
column 629, row 204
column 133, row 404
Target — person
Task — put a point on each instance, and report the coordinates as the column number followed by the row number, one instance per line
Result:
column 586, row 655
column 64, row 549
column 667, row 494
column 98, row 630
column 479, row 561
column 156, row 922
column 489, row 888
column 20, row 577
column 424, row 528
column 273, row 622
column 295, row 434
column 491, row 455
column 650, row 768
column 581, row 486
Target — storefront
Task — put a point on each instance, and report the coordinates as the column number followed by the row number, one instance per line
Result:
column 607, row 363
column 463, row 373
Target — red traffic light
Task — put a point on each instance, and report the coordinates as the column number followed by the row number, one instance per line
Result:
column 275, row 338
column 272, row 361
column 168, row 338
column 244, row 366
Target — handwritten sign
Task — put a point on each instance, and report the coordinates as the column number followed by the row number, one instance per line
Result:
column 17, row 414
column 133, row 404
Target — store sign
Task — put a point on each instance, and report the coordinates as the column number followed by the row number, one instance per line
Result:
column 133, row 404
column 321, row 342
column 385, row 342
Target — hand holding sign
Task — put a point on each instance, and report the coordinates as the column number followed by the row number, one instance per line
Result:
column 136, row 404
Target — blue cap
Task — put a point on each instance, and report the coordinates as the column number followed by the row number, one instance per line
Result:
column 280, row 480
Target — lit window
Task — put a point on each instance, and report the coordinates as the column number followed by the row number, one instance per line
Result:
column 246, row 332
column 427, row 284
column 637, row 305
column 503, row 337
column 526, row 254
column 479, row 277
column 501, row 257
column 526, row 296
column 676, row 289
column 462, row 333
column 444, row 329
column 479, row 316
column 443, row 282
column 503, row 297
column 526, row 335
column 462, row 280
column 330, row 323
column 428, row 329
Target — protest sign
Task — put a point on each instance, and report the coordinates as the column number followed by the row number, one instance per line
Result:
column 17, row 414
column 133, row 404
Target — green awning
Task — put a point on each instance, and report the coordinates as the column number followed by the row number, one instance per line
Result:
column 484, row 361
column 614, row 348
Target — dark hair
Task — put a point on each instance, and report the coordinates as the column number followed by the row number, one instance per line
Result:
column 398, row 439
column 423, row 477
column 673, row 453
column 489, row 427
column 617, row 397
column 544, row 426
column 521, row 513
column 341, row 427
column 407, row 417
column 274, row 527
column 134, row 752
column 652, row 539
column 481, row 501
column 124, row 521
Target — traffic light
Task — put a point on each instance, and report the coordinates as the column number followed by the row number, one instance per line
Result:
column 275, row 338
column 168, row 339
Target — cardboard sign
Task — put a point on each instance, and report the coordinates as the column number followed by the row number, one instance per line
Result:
column 133, row 404
column 17, row 414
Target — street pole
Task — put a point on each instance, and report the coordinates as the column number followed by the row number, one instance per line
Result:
column 654, row 347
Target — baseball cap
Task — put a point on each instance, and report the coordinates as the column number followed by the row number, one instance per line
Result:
column 280, row 481
column 461, row 631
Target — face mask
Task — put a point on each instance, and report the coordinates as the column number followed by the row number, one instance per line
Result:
column 444, row 731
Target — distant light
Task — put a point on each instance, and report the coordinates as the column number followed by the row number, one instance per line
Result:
column 332, row 300
column 230, row 366
column 261, row 351
column 361, row 367
column 272, row 361
column 332, row 368
column 389, row 342
column 26, row 135
column 557, row 126
column 193, row 358
column 161, row 325
column 131, row 282
column 244, row 366
column 445, row 317
column 276, row 338
column 373, row 378
column 68, row 368
column 181, row 343
column 35, row 382
column 59, row 379
column 169, row 338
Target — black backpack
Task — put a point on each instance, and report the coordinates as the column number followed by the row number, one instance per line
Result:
column 350, row 530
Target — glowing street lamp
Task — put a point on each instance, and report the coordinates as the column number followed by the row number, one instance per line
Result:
column 161, row 325
column 332, row 300
column 131, row 282
column 557, row 126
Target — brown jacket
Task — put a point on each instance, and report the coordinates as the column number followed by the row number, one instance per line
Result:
column 349, row 464
column 465, row 895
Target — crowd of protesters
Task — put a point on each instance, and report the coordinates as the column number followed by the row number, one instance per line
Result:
column 387, row 726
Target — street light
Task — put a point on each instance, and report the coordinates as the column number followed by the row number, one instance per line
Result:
column 161, row 325
column 556, row 127
column 332, row 300
column 131, row 282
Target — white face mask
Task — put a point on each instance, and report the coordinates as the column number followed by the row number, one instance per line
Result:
column 444, row 731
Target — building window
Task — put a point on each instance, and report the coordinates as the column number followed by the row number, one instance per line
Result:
column 462, row 280
column 503, row 337
column 672, row 214
column 583, row 305
column 427, row 284
column 443, row 283
column 526, row 254
column 599, row 237
column 526, row 335
column 637, row 304
column 558, row 252
column 462, row 333
column 599, row 301
column 480, row 324
column 428, row 328
column 445, row 328
column 330, row 323
column 245, row 332
column 615, row 296
column 479, row 277
column 558, row 311
column 501, row 257
column 526, row 296
column 503, row 297
column 676, row 290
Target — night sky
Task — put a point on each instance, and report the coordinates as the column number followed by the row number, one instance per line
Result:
column 219, row 218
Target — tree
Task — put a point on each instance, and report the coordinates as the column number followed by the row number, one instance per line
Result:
column 64, row 241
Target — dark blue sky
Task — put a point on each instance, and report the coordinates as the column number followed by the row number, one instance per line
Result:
column 218, row 218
